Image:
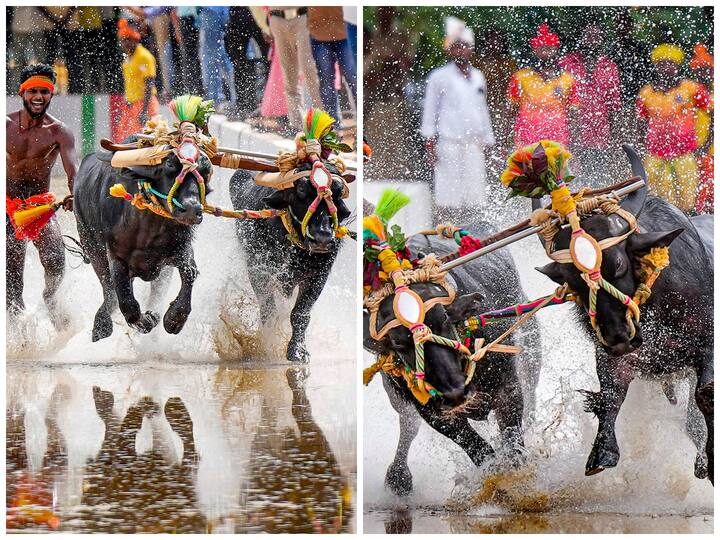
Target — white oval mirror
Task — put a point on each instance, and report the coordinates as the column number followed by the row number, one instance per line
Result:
column 321, row 177
column 409, row 307
column 188, row 151
column 585, row 252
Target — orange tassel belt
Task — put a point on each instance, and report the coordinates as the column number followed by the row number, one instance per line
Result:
column 29, row 216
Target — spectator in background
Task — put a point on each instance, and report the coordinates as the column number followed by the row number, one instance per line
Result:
column 187, row 34
column 29, row 29
column 668, row 106
column 158, row 18
column 214, row 60
column 543, row 95
column 245, row 26
column 598, row 90
column 456, row 125
column 350, row 16
column 702, row 64
column 289, row 28
column 139, row 72
column 328, row 38
column 388, row 120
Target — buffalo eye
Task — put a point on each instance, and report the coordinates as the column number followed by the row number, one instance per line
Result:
column 620, row 266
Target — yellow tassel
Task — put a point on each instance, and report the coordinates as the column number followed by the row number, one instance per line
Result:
column 341, row 232
column 562, row 201
column 374, row 225
column 23, row 217
column 118, row 190
column 658, row 257
column 388, row 261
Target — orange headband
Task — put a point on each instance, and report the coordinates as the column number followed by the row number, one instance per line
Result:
column 37, row 81
column 127, row 31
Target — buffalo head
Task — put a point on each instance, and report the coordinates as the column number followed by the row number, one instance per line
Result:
column 162, row 177
column 443, row 365
column 297, row 200
column 617, row 266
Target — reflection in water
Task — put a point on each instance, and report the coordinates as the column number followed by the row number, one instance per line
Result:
column 94, row 449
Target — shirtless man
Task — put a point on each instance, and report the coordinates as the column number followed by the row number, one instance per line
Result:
column 34, row 140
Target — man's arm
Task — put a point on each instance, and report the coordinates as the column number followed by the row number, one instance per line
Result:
column 69, row 157
column 147, row 95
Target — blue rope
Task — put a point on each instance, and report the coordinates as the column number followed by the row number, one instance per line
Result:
column 162, row 196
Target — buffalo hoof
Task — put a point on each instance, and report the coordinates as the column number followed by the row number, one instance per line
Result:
column 701, row 466
column 297, row 353
column 175, row 319
column 146, row 322
column 398, row 479
column 102, row 327
column 601, row 459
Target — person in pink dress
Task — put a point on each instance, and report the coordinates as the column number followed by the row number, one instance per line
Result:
column 542, row 95
column 597, row 82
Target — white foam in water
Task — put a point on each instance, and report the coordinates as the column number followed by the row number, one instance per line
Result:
column 655, row 472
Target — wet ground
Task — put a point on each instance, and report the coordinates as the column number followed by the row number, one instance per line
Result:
column 177, row 449
column 406, row 520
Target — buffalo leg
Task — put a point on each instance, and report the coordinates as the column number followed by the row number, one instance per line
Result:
column 695, row 427
column 177, row 314
column 308, row 293
column 615, row 377
column 398, row 477
column 705, row 398
column 103, row 325
column 144, row 322
column 458, row 429
column 508, row 406
column 52, row 257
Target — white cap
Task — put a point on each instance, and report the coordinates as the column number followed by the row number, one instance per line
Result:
column 456, row 30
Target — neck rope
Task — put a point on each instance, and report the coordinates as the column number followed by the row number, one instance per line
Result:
column 586, row 254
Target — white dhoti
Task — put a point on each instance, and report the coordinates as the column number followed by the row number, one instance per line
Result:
column 460, row 179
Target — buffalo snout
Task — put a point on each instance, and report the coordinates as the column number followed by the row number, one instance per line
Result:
column 191, row 212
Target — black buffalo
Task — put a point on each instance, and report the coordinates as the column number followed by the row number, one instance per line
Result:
column 502, row 382
column 274, row 262
column 123, row 242
column 675, row 333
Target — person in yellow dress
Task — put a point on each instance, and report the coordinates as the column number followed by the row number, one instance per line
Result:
column 669, row 106
column 139, row 72
column 702, row 64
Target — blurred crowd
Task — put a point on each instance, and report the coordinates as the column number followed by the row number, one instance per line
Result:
column 592, row 93
column 256, row 63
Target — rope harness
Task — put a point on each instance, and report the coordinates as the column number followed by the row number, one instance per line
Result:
column 409, row 310
column 586, row 254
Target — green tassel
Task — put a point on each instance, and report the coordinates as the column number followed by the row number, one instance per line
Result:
column 390, row 203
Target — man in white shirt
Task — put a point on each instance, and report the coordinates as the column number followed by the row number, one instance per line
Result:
column 456, row 126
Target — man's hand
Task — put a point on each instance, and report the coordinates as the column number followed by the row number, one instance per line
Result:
column 67, row 203
column 430, row 150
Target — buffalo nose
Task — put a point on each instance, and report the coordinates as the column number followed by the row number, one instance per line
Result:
column 323, row 236
column 190, row 211
column 455, row 396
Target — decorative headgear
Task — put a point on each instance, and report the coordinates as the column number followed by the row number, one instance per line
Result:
column 457, row 30
column 666, row 51
column 544, row 38
column 37, row 81
column 127, row 31
column 702, row 58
